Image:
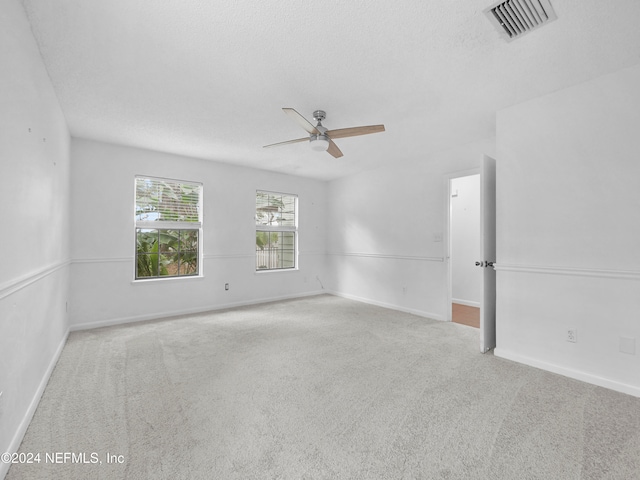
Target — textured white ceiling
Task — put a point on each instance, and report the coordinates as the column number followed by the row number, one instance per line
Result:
column 208, row 78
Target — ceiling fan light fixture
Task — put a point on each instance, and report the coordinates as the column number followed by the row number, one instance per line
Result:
column 319, row 143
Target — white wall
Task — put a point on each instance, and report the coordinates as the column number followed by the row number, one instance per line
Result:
column 465, row 240
column 102, row 245
column 387, row 241
column 34, row 194
column 568, row 178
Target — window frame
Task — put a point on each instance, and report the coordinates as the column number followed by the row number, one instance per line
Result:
column 164, row 225
column 278, row 229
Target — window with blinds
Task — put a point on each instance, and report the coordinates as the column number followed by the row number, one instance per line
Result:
column 168, row 225
column 276, row 231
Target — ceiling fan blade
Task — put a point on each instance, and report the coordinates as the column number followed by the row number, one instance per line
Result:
column 355, row 131
column 297, row 140
column 303, row 122
column 334, row 150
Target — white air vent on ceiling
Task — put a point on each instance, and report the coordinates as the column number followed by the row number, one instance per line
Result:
column 514, row 18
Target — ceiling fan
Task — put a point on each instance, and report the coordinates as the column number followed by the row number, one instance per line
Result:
column 320, row 138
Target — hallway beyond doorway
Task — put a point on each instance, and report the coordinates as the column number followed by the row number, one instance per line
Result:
column 465, row 315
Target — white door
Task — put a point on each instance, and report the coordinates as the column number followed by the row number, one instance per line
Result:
column 488, row 253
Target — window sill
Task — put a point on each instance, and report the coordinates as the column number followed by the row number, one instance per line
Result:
column 279, row 270
column 169, row 279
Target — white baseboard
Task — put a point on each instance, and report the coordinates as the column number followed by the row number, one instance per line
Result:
column 569, row 372
column 28, row 416
column 176, row 313
column 468, row 303
column 420, row 313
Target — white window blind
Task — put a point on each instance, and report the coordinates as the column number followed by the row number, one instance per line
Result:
column 159, row 200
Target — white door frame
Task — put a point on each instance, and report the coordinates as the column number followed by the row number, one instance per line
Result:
column 447, row 240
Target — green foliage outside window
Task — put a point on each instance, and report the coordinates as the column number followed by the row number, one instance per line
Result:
column 162, row 253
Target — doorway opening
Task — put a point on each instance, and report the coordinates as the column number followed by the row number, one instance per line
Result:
column 464, row 249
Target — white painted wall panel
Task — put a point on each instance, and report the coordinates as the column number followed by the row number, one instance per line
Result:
column 569, row 229
column 388, row 240
column 34, row 199
column 103, row 236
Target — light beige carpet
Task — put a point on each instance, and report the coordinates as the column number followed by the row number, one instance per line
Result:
column 319, row 388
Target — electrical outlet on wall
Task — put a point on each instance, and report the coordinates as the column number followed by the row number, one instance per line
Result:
column 572, row 335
